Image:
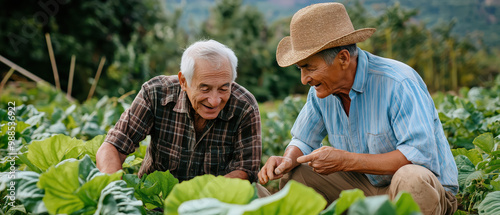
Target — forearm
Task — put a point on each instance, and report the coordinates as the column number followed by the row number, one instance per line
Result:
column 377, row 164
column 237, row 174
column 109, row 159
column 293, row 152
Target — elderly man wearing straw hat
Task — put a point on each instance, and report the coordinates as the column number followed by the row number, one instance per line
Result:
column 381, row 122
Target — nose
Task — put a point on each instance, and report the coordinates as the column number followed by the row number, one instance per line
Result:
column 214, row 100
column 304, row 77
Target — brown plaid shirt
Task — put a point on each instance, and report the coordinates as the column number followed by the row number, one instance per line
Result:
column 230, row 142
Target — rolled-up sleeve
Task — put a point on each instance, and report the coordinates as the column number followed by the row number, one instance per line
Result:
column 248, row 145
column 309, row 129
column 134, row 124
column 413, row 125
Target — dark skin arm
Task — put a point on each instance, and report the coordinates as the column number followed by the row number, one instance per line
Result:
column 109, row 159
column 327, row 160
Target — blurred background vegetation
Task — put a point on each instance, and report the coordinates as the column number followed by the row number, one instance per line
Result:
column 451, row 43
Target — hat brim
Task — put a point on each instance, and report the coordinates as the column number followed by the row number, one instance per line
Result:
column 286, row 55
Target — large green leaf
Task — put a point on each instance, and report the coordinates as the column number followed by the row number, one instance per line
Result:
column 61, row 184
column 294, row 198
column 90, row 147
column 405, row 205
column 90, row 191
column 227, row 190
column 465, row 168
column 74, row 186
column 490, row 204
column 345, row 200
column 161, row 183
column 473, row 154
column 376, row 205
column 51, row 151
column 485, row 142
column 26, row 190
column 116, row 198
column 152, row 189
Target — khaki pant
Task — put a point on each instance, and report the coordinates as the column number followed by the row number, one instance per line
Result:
column 423, row 185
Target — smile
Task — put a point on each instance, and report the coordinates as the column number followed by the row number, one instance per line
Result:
column 211, row 108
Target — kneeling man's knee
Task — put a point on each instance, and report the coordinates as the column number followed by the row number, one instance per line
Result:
column 421, row 183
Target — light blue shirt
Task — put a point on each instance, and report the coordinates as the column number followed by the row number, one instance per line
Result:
column 390, row 109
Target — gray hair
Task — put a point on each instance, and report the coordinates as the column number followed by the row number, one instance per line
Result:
column 329, row 55
column 210, row 50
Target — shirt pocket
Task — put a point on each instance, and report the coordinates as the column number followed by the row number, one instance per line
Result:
column 217, row 158
column 168, row 157
column 380, row 143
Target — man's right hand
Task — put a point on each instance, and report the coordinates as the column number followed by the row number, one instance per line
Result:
column 274, row 168
column 277, row 166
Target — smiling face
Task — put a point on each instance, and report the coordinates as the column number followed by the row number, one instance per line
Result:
column 336, row 78
column 210, row 87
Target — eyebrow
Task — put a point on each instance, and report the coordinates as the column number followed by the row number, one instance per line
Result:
column 206, row 85
column 302, row 66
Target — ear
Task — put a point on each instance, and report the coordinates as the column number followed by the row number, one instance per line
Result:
column 182, row 81
column 344, row 58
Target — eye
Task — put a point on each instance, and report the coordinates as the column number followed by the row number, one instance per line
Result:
column 204, row 89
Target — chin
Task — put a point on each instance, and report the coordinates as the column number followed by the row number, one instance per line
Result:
column 209, row 116
column 320, row 95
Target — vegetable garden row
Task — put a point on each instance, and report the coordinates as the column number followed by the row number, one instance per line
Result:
column 48, row 146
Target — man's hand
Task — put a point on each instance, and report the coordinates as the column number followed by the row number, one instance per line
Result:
column 277, row 166
column 237, row 174
column 327, row 160
column 274, row 168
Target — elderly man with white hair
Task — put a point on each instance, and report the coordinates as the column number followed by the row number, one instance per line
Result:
column 200, row 121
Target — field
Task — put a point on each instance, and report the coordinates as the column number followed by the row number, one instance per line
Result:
column 49, row 144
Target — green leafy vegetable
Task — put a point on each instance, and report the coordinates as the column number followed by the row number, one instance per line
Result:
column 228, row 190
column 152, row 189
column 490, row 204
column 294, row 198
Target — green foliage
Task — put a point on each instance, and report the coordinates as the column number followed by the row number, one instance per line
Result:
column 228, row 190
column 49, row 152
column 152, row 189
column 73, row 186
column 355, row 202
column 294, row 198
column 465, row 117
column 276, row 126
column 116, row 198
column 26, row 191
column 478, row 170
column 491, row 204
column 345, row 200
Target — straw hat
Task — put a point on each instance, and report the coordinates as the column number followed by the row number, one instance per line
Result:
column 315, row 28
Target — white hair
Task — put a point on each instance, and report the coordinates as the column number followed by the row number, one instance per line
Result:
column 210, row 50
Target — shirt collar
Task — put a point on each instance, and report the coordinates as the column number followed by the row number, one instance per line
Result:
column 182, row 105
column 361, row 72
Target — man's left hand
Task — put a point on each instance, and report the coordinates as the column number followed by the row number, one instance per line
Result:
column 327, row 160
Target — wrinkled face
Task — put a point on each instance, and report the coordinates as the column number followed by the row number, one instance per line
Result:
column 326, row 79
column 210, row 88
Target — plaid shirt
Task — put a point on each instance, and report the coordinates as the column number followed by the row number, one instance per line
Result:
column 230, row 142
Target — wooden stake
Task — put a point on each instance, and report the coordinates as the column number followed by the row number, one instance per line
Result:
column 53, row 61
column 96, row 79
column 71, row 73
column 21, row 70
column 5, row 79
